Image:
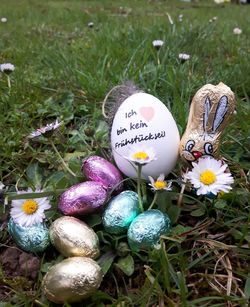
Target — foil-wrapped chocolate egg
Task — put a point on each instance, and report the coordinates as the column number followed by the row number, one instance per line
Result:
column 98, row 169
column 145, row 230
column 72, row 280
column 32, row 239
column 72, row 237
column 83, row 198
column 120, row 212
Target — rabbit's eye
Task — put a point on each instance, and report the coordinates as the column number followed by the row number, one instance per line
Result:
column 189, row 145
column 208, row 147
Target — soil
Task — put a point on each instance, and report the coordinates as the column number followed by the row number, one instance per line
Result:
column 18, row 269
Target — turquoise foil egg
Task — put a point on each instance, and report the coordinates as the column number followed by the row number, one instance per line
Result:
column 145, row 230
column 32, row 239
column 120, row 212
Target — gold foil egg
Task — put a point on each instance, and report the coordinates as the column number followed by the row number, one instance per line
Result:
column 209, row 113
column 72, row 280
column 72, row 237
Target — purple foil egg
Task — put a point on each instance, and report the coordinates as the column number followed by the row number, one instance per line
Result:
column 100, row 170
column 83, row 198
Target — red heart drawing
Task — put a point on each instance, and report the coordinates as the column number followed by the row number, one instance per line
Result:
column 147, row 113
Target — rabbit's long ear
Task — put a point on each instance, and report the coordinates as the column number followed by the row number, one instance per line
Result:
column 220, row 113
column 207, row 107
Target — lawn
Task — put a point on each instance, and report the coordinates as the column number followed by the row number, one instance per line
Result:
column 64, row 68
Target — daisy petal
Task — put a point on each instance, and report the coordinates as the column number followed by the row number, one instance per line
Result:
column 27, row 212
column 208, row 176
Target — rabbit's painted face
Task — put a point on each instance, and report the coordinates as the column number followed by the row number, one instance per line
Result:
column 210, row 109
column 193, row 151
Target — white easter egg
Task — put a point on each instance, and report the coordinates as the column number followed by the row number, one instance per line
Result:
column 144, row 120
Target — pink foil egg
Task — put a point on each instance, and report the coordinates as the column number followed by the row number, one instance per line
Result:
column 83, row 198
column 98, row 169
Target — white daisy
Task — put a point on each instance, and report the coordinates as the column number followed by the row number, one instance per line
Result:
column 208, row 176
column 7, row 68
column 184, row 56
column 140, row 155
column 237, row 31
column 158, row 43
column 160, row 183
column 45, row 130
column 221, row 1
column 27, row 212
column 3, row 19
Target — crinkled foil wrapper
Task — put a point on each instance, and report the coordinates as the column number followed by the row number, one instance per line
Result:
column 120, row 212
column 83, row 198
column 72, row 280
column 72, row 237
column 209, row 113
column 32, row 239
column 98, row 169
column 145, row 230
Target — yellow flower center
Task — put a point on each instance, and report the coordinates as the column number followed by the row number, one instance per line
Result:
column 207, row 177
column 141, row 155
column 160, row 184
column 30, row 206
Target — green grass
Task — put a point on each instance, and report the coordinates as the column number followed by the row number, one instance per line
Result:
column 64, row 70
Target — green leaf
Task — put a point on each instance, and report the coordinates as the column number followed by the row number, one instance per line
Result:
column 174, row 213
column 101, row 130
column 102, row 235
column 93, row 220
column 220, row 204
column 126, row 264
column 247, row 287
column 75, row 165
column 106, row 260
column 179, row 229
column 59, row 106
column 198, row 212
column 35, row 174
column 59, row 180
column 5, row 304
column 164, row 201
column 76, row 154
column 47, row 265
column 238, row 235
column 100, row 296
column 176, row 233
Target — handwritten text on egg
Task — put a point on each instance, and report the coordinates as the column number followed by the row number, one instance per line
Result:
column 135, row 126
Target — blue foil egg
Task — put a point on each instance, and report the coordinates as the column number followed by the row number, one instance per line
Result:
column 211, row 195
column 145, row 230
column 120, row 212
column 32, row 239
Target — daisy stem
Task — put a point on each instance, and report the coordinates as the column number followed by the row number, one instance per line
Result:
column 31, row 195
column 8, row 81
column 179, row 202
column 139, row 187
column 153, row 201
column 61, row 159
column 158, row 60
column 40, row 303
